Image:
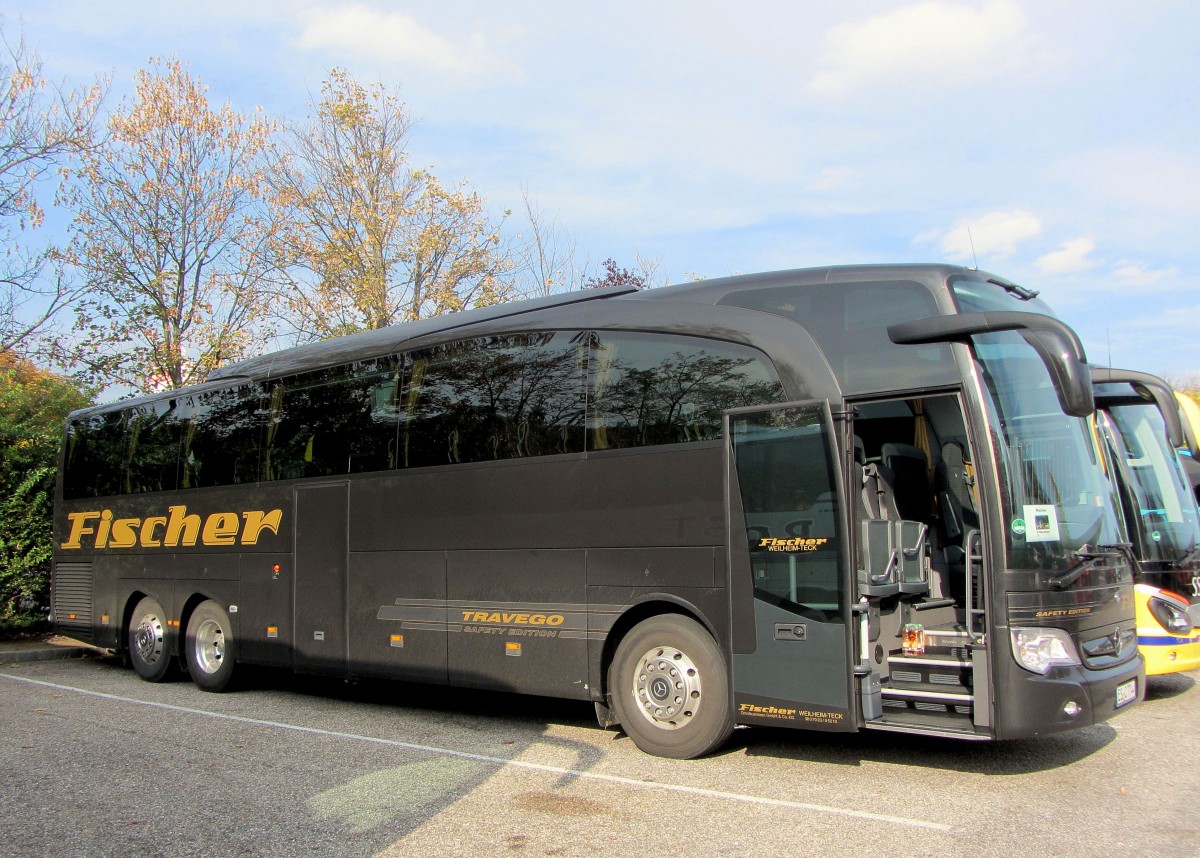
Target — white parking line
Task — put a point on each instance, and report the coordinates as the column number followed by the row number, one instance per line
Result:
column 501, row 761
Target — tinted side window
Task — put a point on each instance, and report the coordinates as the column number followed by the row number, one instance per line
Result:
column 850, row 320
column 333, row 421
column 501, row 397
column 154, row 441
column 648, row 389
column 221, row 442
column 95, row 456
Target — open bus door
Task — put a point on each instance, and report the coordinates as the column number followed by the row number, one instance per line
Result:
column 790, row 575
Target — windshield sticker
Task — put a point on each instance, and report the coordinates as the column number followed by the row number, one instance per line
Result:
column 1018, row 526
column 1041, row 523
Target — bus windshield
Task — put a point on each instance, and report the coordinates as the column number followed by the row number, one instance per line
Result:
column 1162, row 506
column 1053, row 475
column 1057, row 500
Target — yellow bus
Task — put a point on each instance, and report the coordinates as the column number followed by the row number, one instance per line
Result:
column 1140, row 420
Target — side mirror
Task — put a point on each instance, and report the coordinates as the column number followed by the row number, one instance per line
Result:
column 1055, row 343
column 1159, row 390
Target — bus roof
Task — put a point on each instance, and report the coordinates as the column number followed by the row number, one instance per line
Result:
column 579, row 309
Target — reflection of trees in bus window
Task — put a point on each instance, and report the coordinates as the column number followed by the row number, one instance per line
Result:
column 220, row 446
column 333, row 421
column 501, row 397
column 654, row 389
column 154, row 437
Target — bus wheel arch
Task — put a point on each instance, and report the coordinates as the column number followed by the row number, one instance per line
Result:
column 667, row 682
column 210, row 646
column 148, row 638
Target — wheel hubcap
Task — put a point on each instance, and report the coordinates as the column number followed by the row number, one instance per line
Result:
column 148, row 639
column 210, row 646
column 667, row 687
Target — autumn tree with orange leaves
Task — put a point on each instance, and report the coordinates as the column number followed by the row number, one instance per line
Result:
column 366, row 239
column 170, row 235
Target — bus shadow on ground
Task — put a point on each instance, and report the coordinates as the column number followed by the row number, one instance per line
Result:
column 1016, row 757
column 519, row 720
column 1166, row 687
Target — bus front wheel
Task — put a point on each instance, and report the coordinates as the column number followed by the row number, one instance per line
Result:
column 670, row 688
column 149, row 640
column 210, row 647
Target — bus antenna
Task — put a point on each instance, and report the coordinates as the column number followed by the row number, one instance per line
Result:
column 971, row 239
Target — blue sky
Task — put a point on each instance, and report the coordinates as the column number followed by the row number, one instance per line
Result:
column 720, row 138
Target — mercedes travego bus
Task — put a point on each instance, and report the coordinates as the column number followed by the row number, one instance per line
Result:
column 834, row 499
column 1140, row 421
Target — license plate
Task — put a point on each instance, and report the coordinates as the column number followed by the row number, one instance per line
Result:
column 1126, row 692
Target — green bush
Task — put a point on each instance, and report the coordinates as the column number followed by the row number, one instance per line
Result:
column 33, row 404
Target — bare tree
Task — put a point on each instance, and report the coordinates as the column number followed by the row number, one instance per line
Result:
column 170, row 235
column 43, row 126
column 546, row 253
column 366, row 240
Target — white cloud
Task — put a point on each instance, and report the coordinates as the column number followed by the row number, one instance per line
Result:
column 994, row 235
column 397, row 38
column 1137, row 274
column 946, row 42
column 1072, row 257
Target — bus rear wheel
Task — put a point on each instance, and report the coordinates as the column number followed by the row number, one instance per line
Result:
column 149, row 640
column 670, row 688
column 209, row 647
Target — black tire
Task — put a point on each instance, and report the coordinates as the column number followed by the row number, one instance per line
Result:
column 149, row 641
column 209, row 647
column 669, row 686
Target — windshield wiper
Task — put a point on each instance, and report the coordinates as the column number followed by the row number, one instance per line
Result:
column 1014, row 289
column 1186, row 559
column 1087, row 559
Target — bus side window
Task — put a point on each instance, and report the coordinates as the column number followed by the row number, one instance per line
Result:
column 225, row 435
column 501, row 397
column 648, row 389
column 94, row 456
column 334, row 421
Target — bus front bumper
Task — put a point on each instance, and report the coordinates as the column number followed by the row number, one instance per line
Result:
column 1070, row 698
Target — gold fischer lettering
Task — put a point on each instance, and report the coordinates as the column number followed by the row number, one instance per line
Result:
column 102, row 532
column 125, row 533
column 257, row 521
column 220, row 528
column 180, row 524
column 148, row 524
column 177, row 528
column 79, row 527
column 797, row 544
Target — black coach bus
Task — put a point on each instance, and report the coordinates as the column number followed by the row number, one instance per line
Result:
column 834, row 499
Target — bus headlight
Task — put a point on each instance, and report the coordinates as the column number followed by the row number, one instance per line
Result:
column 1171, row 615
column 1039, row 650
